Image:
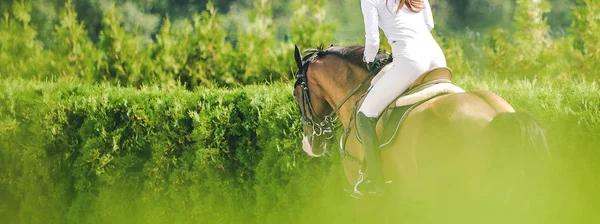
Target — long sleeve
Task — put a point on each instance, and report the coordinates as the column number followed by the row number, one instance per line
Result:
column 428, row 15
column 371, row 20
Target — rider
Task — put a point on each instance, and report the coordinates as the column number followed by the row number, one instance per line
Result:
column 407, row 25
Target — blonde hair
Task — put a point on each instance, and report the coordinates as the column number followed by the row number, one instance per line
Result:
column 412, row 5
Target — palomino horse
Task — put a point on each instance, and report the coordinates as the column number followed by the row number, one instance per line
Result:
column 456, row 140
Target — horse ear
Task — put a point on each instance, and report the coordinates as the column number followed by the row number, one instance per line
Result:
column 298, row 57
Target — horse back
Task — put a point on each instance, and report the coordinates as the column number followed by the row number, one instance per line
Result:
column 440, row 142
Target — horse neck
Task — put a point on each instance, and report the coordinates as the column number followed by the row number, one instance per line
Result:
column 339, row 84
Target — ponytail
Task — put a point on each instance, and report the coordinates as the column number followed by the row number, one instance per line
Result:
column 412, row 5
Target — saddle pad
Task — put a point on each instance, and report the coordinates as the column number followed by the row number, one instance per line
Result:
column 417, row 95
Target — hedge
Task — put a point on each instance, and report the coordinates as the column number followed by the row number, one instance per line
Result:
column 79, row 153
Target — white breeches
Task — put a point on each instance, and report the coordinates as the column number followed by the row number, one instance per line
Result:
column 409, row 63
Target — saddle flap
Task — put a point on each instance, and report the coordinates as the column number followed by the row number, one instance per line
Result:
column 392, row 118
column 439, row 73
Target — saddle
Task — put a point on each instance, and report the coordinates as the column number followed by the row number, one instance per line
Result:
column 439, row 73
column 432, row 83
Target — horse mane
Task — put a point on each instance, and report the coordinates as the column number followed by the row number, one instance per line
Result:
column 353, row 54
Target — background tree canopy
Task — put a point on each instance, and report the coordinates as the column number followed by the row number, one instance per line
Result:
column 228, row 43
column 452, row 16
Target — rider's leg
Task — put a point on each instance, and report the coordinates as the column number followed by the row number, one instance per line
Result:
column 372, row 154
column 393, row 83
column 397, row 80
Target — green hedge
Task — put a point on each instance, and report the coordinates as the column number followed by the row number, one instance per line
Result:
column 72, row 153
column 89, row 154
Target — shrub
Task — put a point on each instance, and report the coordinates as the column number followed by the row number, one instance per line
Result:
column 78, row 153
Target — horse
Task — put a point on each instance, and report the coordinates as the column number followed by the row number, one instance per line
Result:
column 463, row 141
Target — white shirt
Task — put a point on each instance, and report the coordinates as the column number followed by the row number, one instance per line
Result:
column 404, row 26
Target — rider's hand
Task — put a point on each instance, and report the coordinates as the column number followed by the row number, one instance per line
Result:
column 371, row 66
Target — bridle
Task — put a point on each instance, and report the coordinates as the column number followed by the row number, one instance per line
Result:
column 320, row 126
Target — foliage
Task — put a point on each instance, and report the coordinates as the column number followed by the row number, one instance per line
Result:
column 204, row 51
column 525, row 51
column 117, row 125
column 311, row 27
column 73, row 44
column 21, row 53
column 585, row 27
column 75, row 153
column 197, row 52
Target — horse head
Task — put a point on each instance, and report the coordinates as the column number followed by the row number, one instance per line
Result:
column 314, row 110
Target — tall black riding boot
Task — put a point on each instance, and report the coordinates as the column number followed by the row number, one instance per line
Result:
column 375, row 181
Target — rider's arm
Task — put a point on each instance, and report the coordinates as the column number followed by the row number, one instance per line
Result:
column 428, row 15
column 371, row 19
